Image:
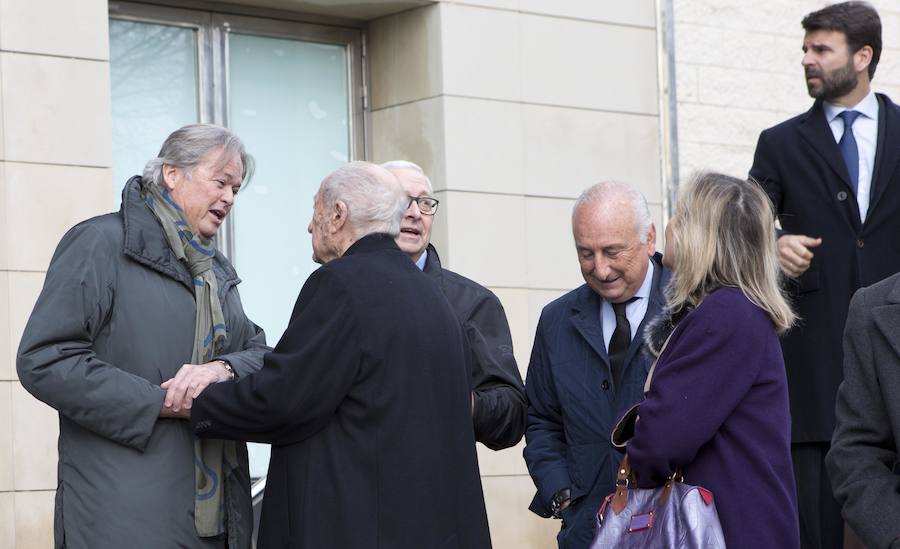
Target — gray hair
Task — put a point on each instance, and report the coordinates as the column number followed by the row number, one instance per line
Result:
column 186, row 147
column 607, row 190
column 375, row 205
column 407, row 165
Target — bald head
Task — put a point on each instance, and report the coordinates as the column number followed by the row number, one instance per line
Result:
column 614, row 195
column 355, row 200
column 614, row 238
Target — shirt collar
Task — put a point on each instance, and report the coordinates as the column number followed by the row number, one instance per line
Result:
column 420, row 263
column 868, row 107
column 644, row 291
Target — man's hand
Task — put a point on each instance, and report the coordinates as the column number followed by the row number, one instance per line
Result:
column 187, row 385
column 168, row 412
column 794, row 253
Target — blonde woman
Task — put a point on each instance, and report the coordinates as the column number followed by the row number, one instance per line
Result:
column 717, row 406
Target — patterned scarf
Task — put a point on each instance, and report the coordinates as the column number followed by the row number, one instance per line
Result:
column 212, row 458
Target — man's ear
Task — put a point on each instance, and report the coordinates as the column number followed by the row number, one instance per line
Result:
column 339, row 216
column 863, row 58
column 170, row 175
column 651, row 240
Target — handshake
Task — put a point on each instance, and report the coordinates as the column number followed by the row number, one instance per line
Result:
column 187, row 385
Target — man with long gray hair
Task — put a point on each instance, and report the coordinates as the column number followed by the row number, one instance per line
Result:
column 362, row 399
column 132, row 299
column 586, row 364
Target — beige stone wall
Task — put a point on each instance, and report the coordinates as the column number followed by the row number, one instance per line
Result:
column 54, row 171
column 514, row 107
column 738, row 72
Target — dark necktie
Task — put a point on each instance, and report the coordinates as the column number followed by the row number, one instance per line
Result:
column 619, row 342
column 849, row 150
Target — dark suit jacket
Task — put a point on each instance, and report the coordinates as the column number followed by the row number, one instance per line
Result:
column 573, row 405
column 863, row 452
column 366, row 404
column 500, row 405
column 799, row 165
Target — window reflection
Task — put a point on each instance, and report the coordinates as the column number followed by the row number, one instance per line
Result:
column 288, row 100
column 153, row 75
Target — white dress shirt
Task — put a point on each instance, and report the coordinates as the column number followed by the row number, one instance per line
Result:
column 865, row 130
column 634, row 311
column 420, row 263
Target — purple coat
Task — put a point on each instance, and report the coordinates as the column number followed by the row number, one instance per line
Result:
column 718, row 408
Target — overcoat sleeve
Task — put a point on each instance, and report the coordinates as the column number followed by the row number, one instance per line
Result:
column 302, row 382
column 545, row 449
column 705, row 371
column 56, row 361
column 765, row 170
column 500, row 406
column 249, row 357
column 864, row 450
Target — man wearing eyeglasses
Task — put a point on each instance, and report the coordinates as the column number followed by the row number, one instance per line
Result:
column 498, row 396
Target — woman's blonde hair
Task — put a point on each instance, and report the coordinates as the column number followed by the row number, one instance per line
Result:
column 723, row 232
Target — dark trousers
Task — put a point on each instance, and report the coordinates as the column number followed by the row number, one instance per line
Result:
column 821, row 525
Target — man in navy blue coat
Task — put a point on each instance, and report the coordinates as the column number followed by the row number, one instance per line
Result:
column 587, row 364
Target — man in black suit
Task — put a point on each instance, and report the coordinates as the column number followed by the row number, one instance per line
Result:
column 498, row 395
column 832, row 175
column 364, row 399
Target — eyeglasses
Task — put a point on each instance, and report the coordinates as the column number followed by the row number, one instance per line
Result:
column 427, row 205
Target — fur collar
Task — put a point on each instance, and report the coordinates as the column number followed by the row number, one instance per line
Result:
column 658, row 330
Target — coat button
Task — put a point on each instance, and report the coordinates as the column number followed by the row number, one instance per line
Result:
column 842, row 195
column 860, row 243
column 605, row 385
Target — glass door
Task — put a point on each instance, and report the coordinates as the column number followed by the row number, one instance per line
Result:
column 299, row 130
column 155, row 81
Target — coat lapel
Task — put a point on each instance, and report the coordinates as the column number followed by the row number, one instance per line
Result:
column 815, row 131
column 887, row 151
column 887, row 318
column 586, row 319
column 654, row 307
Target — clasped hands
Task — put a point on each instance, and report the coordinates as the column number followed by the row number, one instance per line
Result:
column 187, row 385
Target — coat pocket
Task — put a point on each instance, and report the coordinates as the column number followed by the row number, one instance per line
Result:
column 587, row 461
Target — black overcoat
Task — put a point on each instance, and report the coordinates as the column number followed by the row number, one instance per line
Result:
column 800, row 166
column 366, row 403
column 500, row 404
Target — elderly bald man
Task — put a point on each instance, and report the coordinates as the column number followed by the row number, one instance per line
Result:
column 362, row 399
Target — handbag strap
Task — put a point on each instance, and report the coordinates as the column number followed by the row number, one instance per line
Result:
column 625, row 478
column 653, row 366
column 624, row 475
